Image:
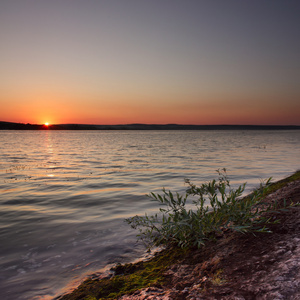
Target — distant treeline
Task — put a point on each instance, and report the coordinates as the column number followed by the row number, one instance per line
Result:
column 22, row 126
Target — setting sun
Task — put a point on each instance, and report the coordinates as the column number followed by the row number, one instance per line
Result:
column 47, row 124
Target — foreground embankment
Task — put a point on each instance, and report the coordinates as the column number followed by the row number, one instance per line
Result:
column 235, row 266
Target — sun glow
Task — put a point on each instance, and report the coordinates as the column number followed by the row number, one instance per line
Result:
column 47, row 124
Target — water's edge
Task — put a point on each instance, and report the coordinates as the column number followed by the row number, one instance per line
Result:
column 107, row 273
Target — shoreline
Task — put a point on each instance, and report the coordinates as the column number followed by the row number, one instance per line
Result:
column 236, row 265
column 22, row 126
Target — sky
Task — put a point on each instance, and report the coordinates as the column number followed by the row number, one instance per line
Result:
column 150, row 61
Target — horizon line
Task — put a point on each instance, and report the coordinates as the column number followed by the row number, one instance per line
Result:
column 149, row 124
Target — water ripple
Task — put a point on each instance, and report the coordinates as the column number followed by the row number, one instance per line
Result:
column 64, row 195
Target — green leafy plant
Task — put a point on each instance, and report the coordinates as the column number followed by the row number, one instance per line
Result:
column 217, row 207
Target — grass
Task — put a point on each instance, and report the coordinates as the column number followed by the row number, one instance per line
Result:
column 128, row 278
column 281, row 183
column 217, row 278
column 217, row 207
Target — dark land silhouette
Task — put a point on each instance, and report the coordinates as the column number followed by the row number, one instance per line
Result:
column 23, row 126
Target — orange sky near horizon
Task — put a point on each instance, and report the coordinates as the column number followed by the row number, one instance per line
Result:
column 56, row 111
column 153, row 62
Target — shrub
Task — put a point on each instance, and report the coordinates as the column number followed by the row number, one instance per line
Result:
column 217, row 208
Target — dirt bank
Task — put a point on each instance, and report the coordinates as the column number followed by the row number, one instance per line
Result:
column 236, row 266
column 265, row 266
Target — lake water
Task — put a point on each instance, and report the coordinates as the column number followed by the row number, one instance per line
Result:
column 64, row 194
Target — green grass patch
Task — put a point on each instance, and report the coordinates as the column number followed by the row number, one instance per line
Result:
column 281, row 183
column 129, row 278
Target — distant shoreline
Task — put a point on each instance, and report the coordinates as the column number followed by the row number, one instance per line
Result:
column 23, row 126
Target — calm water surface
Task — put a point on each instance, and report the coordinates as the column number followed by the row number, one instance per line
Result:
column 64, row 194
